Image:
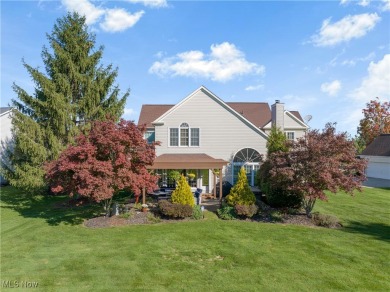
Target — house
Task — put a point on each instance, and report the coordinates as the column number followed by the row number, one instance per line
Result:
column 204, row 135
column 5, row 132
column 378, row 155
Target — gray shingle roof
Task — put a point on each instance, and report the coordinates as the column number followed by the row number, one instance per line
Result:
column 379, row 147
column 4, row 109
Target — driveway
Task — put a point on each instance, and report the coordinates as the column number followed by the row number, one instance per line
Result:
column 377, row 182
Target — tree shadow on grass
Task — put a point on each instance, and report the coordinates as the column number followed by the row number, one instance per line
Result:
column 379, row 231
column 51, row 208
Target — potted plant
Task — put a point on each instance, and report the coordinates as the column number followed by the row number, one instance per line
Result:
column 191, row 176
column 145, row 208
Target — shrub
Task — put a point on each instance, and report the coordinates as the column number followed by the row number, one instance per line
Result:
column 152, row 219
column 246, row 210
column 197, row 212
column 282, row 198
column 241, row 193
column 275, row 189
column 227, row 213
column 276, row 216
column 175, row 210
column 325, row 220
column 182, row 194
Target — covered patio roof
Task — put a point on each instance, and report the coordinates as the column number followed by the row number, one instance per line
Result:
column 187, row 161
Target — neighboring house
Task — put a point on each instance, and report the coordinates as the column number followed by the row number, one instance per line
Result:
column 203, row 133
column 5, row 131
column 378, row 155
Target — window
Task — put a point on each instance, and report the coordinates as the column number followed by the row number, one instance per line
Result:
column 185, row 135
column 290, row 136
column 149, row 136
column 194, row 136
column 174, row 137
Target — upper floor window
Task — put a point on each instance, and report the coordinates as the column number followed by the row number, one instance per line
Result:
column 184, row 136
column 290, row 136
column 149, row 136
column 173, row 137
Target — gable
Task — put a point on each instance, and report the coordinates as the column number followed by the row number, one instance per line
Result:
column 203, row 104
column 292, row 120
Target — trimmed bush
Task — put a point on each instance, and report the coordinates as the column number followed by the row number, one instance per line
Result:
column 182, row 194
column 197, row 213
column 282, row 198
column 246, row 210
column 227, row 213
column 325, row 220
column 174, row 210
column 241, row 193
column 275, row 191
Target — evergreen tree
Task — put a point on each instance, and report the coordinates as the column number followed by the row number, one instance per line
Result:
column 182, row 194
column 277, row 141
column 74, row 91
column 241, row 193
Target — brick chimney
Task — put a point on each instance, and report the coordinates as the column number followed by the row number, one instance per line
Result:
column 277, row 114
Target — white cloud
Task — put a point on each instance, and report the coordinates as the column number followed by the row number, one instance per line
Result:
column 376, row 83
column 115, row 20
column 386, row 5
column 84, row 7
column 151, row 3
column 295, row 102
column 352, row 62
column 344, row 30
column 364, row 3
column 223, row 63
column 331, row 88
column 118, row 19
column 254, row 87
column 344, row 2
column 129, row 112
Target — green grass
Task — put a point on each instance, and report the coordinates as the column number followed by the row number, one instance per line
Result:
column 49, row 245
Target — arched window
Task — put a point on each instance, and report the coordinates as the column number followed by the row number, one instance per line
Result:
column 249, row 159
column 184, row 134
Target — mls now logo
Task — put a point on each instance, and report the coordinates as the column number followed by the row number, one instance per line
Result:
column 18, row 284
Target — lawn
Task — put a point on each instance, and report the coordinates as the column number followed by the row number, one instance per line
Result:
column 49, row 245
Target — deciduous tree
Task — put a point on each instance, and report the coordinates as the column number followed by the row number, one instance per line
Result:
column 376, row 120
column 74, row 90
column 112, row 157
column 325, row 160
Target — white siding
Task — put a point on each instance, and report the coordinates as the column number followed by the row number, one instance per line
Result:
column 5, row 126
column 378, row 166
column 222, row 133
column 5, row 134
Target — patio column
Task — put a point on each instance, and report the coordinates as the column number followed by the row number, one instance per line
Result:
column 215, row 184
column 220, row 185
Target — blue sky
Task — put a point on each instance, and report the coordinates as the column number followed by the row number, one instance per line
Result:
column 326, row 59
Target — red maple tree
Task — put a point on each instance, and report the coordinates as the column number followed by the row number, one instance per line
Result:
column 112, row 157
column 376, row 120
column 323, row 160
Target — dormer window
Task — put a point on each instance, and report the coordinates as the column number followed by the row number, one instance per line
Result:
column 184, row 136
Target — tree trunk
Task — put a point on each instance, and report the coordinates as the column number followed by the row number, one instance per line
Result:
column 308, row 205
column 106, row 206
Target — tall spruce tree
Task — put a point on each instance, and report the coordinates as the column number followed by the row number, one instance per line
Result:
column 74, row 91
